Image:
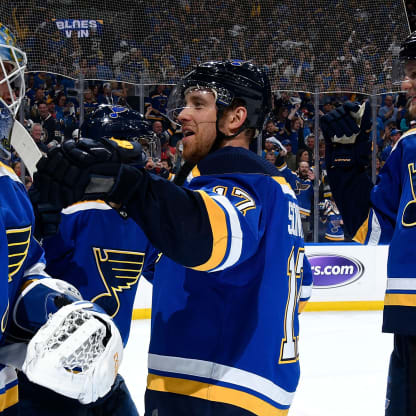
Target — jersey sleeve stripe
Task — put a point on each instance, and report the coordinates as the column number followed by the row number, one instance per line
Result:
column 236, row 241
column 221, row 373
column 219, row 230
column 286, row 188
column 370, row 230
column 213, row 393
column 361, row 235
column 401, row 283
column 399, row 299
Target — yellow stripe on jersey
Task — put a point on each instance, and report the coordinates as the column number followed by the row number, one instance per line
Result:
column 362, row 232
column 213, row 393
column 334, row 238
column 399, row 299
column 9, row 398
column 219, row 229
column 195, row 172
column 302, row 305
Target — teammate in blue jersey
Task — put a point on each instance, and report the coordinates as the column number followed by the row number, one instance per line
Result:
column 224, row 331
column 103, row 254
column 383, row 214
column 30, row 297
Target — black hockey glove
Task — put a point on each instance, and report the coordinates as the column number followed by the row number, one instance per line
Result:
column 347, row 135
column 86, row 169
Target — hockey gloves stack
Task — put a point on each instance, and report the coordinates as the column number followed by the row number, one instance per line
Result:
column 84, row 170
column 347, row 135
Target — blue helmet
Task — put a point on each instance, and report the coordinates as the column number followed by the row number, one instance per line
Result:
column 12, row 67
column 121, row 123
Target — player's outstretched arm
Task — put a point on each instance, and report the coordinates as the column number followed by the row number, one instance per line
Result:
column 346, row 131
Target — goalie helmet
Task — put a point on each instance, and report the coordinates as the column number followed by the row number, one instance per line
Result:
column 121, row 123
column 12, row 67
column 229, row 80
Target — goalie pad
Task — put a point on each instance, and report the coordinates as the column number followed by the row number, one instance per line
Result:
column 77, row 353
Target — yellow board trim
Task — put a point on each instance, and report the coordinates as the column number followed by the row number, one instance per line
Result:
column 370, row 305
column 362, row 232
column 399, row 299
column 9, row 398
column 213, row 393
column 219, row 229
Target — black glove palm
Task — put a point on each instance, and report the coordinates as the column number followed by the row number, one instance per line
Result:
column 87, row 169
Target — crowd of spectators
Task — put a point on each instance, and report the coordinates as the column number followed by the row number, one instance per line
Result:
column 289, row 45
column 338, row 45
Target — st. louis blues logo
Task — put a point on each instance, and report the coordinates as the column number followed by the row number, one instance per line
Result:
column 18, row 244
column 301, row 187
column 116, row 110
column 119, row 270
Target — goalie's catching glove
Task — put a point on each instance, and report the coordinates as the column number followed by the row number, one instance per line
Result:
column 346, row 130
column 77, row 353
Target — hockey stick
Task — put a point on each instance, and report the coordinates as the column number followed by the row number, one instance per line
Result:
column 25, row 146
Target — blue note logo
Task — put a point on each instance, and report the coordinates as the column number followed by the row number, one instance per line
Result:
column 116, row 110
column 120, row 271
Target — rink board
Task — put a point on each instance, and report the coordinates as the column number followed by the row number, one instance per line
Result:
column 346, row 277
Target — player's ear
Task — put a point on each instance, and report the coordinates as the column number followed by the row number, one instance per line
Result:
column 235, row 118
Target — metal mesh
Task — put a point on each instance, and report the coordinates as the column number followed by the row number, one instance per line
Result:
column 84, row 356
column 332, row 45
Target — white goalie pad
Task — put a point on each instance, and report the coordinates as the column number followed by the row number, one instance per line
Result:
column 77, row 353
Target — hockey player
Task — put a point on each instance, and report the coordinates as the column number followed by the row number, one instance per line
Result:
column 225, row 328
column 29, row 298
column 383, row 214
column 103, row 254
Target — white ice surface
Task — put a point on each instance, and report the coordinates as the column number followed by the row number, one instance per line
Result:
column 344, row 361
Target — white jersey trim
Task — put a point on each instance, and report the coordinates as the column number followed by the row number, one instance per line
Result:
column 223, row 373
column 36, row 269
column 306, row 291
column 236, row 241
column 85, row 206
column 401, row 283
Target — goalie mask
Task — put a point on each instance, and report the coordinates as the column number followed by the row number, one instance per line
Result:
column 12, row 68
column 12, row 86
column 228, row 81
column 121, row 123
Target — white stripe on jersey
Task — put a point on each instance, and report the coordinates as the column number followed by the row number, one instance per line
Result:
column 401, row 283
column 84, row 206
column 236, row 240
column 36, row 269
column 223, row 373
column 306, row 292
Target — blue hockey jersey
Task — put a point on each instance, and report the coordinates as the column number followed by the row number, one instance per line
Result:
column 303, row 189
column 21, row 259
column 225, row 328
column 102, row 254
column 392, row 220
